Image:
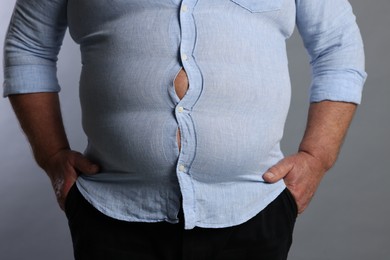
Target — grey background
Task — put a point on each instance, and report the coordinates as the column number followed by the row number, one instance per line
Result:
column 348, row 219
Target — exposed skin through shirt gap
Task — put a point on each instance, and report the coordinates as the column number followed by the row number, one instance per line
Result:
column 181, row 87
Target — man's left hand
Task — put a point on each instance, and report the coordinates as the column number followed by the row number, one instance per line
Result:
column 302, row 174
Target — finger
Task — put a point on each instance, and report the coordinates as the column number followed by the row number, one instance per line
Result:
column 278, row 171
column 84, row 165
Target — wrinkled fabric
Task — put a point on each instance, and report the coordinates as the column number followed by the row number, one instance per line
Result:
column 232, row 117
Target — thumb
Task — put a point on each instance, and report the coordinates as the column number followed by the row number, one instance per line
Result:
column 278, row 171
column 84, row 165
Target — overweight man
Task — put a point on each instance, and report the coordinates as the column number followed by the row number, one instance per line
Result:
column 183, row 104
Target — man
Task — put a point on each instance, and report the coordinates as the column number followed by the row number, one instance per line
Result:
column 183, row 104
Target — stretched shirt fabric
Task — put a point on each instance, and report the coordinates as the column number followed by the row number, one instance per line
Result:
column 232, row 117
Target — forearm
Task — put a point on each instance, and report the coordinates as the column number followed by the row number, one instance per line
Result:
column 327, row 125
column 39, row 115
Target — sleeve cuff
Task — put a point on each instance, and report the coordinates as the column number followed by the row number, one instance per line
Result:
column 337, row 88
column 24, row 79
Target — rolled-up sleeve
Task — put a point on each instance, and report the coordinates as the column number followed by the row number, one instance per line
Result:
column 32, row 43
column 332, row 38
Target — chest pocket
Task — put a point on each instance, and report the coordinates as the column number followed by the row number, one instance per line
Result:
column 258, row 6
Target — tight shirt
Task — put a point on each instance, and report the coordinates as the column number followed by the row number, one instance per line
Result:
column 231, row 119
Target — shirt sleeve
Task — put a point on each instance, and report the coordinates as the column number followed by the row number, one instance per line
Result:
column 32, row 43
column 332, row 38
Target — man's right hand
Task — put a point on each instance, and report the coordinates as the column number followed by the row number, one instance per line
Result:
column 40, row 117
column 63, row 169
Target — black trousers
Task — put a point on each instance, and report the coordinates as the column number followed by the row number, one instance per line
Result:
column 267, row 236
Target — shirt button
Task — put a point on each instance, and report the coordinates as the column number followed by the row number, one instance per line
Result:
column 180, row 109
column 184, row 56
column 184, row 8
column 181, row 168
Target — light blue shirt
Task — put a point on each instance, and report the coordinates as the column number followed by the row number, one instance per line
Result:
column 231, row 119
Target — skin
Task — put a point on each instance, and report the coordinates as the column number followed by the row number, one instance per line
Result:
column 39, row 115
column 302, row 172
column 181, row 87
column 40, row 118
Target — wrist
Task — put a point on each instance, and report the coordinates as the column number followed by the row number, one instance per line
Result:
column 324, row 158
column 43, row 158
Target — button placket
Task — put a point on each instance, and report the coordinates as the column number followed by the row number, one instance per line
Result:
column 184, row 109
